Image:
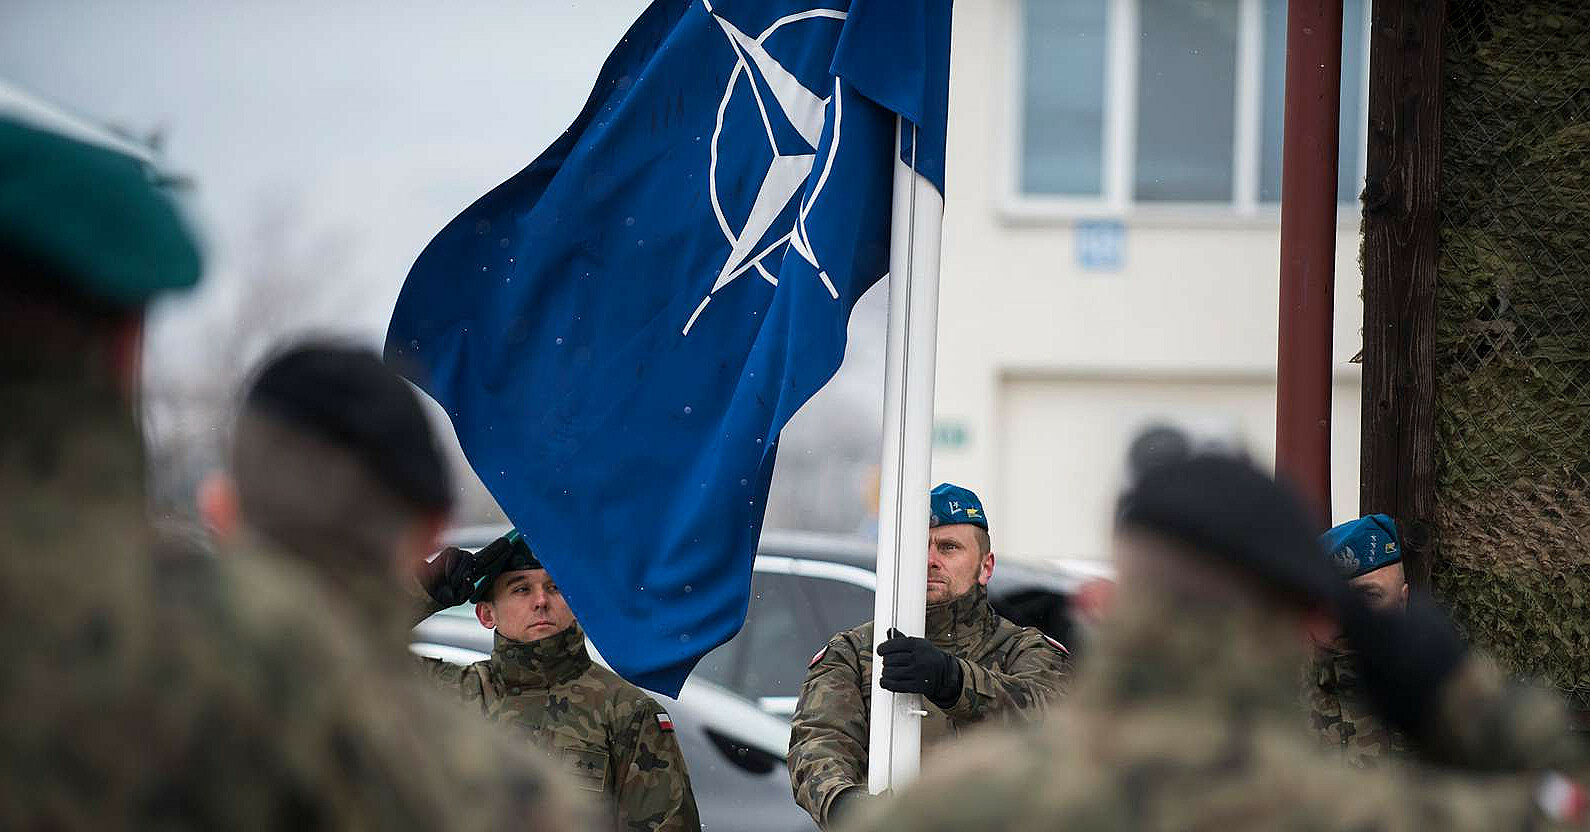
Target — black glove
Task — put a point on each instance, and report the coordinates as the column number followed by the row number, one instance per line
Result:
column 1405, row 659
column 452, row 576
column 914, row 665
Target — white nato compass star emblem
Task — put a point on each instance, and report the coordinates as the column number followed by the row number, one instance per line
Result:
column 787, row 109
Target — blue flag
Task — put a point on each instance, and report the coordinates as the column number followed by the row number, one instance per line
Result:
column 620, row 331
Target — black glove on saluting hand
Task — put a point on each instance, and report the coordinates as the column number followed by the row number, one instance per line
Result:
column 1405, row 659
column 445, row 576
column 914, row 665
column 451, row 576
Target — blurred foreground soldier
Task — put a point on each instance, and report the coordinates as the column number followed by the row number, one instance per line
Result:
column 1185, row 716
column 147, row 684
column 334, row 462
column 611, row 737
column 334, row 415
column 973, row 667
column 1368, row 553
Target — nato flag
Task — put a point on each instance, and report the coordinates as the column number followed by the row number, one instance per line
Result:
column 620, row 331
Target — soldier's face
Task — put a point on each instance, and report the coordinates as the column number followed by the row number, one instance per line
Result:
column 1385, row 589
column 956, row 562
column 525, row 606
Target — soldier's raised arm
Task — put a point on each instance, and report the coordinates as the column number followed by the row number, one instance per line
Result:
column 654, row 786
column 828, row 735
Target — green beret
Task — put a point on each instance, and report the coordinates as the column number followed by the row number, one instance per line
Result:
column 85, row 211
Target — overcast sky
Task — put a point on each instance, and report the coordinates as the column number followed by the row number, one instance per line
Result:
column 371, row 122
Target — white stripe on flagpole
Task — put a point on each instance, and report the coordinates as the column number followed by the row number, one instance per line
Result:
column 917, row 217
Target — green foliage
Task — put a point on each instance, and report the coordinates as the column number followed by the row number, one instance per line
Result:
column 1513, row 335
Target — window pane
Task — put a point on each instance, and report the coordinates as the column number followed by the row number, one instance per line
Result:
column 780, row 637
column 1063, row 116
column 839, row 605
column 1355, row 64
column 1186, row 104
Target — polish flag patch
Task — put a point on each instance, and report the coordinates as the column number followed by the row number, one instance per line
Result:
column 1057, row 645
column 665, row 722
column 817, row 657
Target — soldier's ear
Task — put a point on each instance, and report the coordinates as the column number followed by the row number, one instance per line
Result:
column 219, row 505
column 486, row 615
column 986, row 571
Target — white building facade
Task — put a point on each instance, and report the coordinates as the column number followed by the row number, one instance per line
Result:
column 1111, row 250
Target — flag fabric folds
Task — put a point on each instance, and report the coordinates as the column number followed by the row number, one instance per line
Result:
column 620, row 331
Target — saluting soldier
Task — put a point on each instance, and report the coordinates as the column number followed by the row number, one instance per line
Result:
column 611, row 736
column 1368, row 553
column 972, row 667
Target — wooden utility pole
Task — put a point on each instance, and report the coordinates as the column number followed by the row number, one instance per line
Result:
column 1401, row 211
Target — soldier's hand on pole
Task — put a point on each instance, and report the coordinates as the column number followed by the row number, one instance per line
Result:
column 914, row 665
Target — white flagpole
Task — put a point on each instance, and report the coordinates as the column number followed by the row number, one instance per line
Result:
column 917, row 218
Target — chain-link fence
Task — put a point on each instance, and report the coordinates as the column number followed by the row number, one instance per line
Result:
column 1513, row 335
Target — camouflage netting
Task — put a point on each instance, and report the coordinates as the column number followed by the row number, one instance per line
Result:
column 1513, row 335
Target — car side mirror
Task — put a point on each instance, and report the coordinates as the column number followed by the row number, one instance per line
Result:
column 752, row 760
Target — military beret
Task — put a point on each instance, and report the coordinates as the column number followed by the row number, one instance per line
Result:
column 1361, row 546
column 86, row 209
column 951, row 504
column 346, row 396
column 1224, row 508
column 517, row 559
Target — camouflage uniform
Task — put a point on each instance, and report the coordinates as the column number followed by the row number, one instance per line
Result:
column 1185, row 717
column 1008, row 673
column 151, row 686
column 1342, row 715
column 610, row 735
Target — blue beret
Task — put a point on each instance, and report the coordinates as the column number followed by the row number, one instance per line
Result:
column 1361, row 546
column 952, row 504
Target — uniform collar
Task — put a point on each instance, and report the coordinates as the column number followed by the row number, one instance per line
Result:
column 1333, row 667
column 541, row 664
column 961, row 622
column 1159, row 652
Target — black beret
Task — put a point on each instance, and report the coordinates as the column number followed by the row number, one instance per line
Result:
column 346, row 396
column 1225, row 508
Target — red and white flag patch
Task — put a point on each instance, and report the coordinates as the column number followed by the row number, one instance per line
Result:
column 665, row 722
column 1057, row 645
column 817, row 657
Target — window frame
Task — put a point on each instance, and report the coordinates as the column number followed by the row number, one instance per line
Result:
column 1244, row 209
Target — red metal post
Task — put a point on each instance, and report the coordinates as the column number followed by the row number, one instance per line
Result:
column 1308, row 248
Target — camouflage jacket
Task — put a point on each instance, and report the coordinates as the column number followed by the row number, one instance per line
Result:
column 1185, row 717
column 610, row 735
column 1008, row 673
column 151, row 685
column 1340, row 713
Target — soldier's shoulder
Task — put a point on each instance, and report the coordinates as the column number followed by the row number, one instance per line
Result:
column 1017, row 637
column 858, row 637
column 614, row 686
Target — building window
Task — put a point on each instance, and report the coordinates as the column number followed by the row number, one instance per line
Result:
column 1139, row 102
column 1063, row 131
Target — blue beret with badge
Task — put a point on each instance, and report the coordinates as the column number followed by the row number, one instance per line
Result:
column 1361, row 546
column 952, row 504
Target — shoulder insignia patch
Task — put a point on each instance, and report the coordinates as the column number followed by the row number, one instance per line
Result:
column 817, row 657
column 1057, row 645
column 664, row 721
